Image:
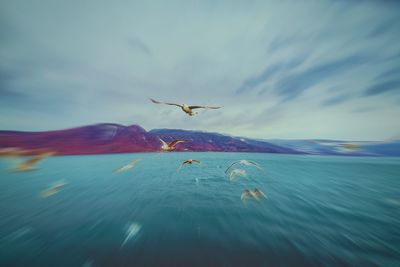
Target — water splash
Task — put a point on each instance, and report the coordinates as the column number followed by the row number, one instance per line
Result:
column 131, row 232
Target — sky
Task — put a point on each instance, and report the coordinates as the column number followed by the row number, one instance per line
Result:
column 279, row 69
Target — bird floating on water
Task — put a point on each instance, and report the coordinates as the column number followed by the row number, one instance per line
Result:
column 185, row 108
column 244, row 162
column 170, row 146
column 29, row 165
column 189, row 161
column 237, row 172
column 128, row 166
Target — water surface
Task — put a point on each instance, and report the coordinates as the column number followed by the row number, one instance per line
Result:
column 320, row 211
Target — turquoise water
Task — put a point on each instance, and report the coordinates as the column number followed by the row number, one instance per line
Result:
column 320, row 211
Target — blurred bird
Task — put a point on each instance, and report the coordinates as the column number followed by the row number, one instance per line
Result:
column 237, row 172
column 258, row 194
column 132, row 230
column 53, row 190
column 128, row 166
column 12, row 152
column 185, row 108
column 350, row 147
column 189, row 161
column 29, row 165
column 246, row 194
column 244, row 162
column 171, row 145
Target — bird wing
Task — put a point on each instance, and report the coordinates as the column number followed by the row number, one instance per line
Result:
column 230, row 166
column 258, row 194
column 197, row 161
column 128, row 166
column 173, row 143
column 134, row 162
column 255, row 164
column 158, row 102
column 194, row 107
column 245, row 195
column 163, row 142
column 34, row 160
column 183, row 164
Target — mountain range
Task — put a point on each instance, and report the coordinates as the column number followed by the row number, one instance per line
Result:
column 114, row 138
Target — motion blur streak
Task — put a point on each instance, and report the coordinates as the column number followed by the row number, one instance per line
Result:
column 320, row 211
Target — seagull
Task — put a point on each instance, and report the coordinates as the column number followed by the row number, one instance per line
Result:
column 171, row 145
column 246, row 194
column 237, row 172
column 258, row 194
column 29, row 165
column 189, row 161
column 244, row 162
column 185, row 108
column 53, row 190
column 128, row 166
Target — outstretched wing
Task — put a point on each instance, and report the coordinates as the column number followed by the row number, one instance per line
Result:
column 173, row 143
column 230, row 166
column 246, row 194
column 163, row 142
column 32, row 161
column 255, row 164
column 134, row 162
column 197, row 161
column 183, row 164
column 128, row 166
column 158, row 102
column 194, row 107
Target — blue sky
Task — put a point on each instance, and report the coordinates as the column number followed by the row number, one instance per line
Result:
column 280, row 69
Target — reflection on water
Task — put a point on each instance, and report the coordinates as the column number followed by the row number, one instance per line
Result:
column 320, row 211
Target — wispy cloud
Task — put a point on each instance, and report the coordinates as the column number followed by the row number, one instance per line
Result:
column 292, row 86
column 383, row 87
column 336, row 100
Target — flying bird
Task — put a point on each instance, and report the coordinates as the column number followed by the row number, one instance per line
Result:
column 246, row 194
column 171, row 145
column 237, row 172
column 190, row 162
column 29, row 165
column 128, row 166
column 185, row 108
column 244, row 162
column 53, row 189
column 258, row 194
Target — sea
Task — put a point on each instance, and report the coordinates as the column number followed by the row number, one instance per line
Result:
column 318, row 211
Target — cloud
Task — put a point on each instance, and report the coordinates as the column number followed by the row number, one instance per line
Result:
column 292, row 86
column 383, row 87
column 336, row 100
column 251, row 83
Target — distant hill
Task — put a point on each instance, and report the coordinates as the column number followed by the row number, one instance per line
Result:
column 205, row 141
column 338, row 147
column 113, row 138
